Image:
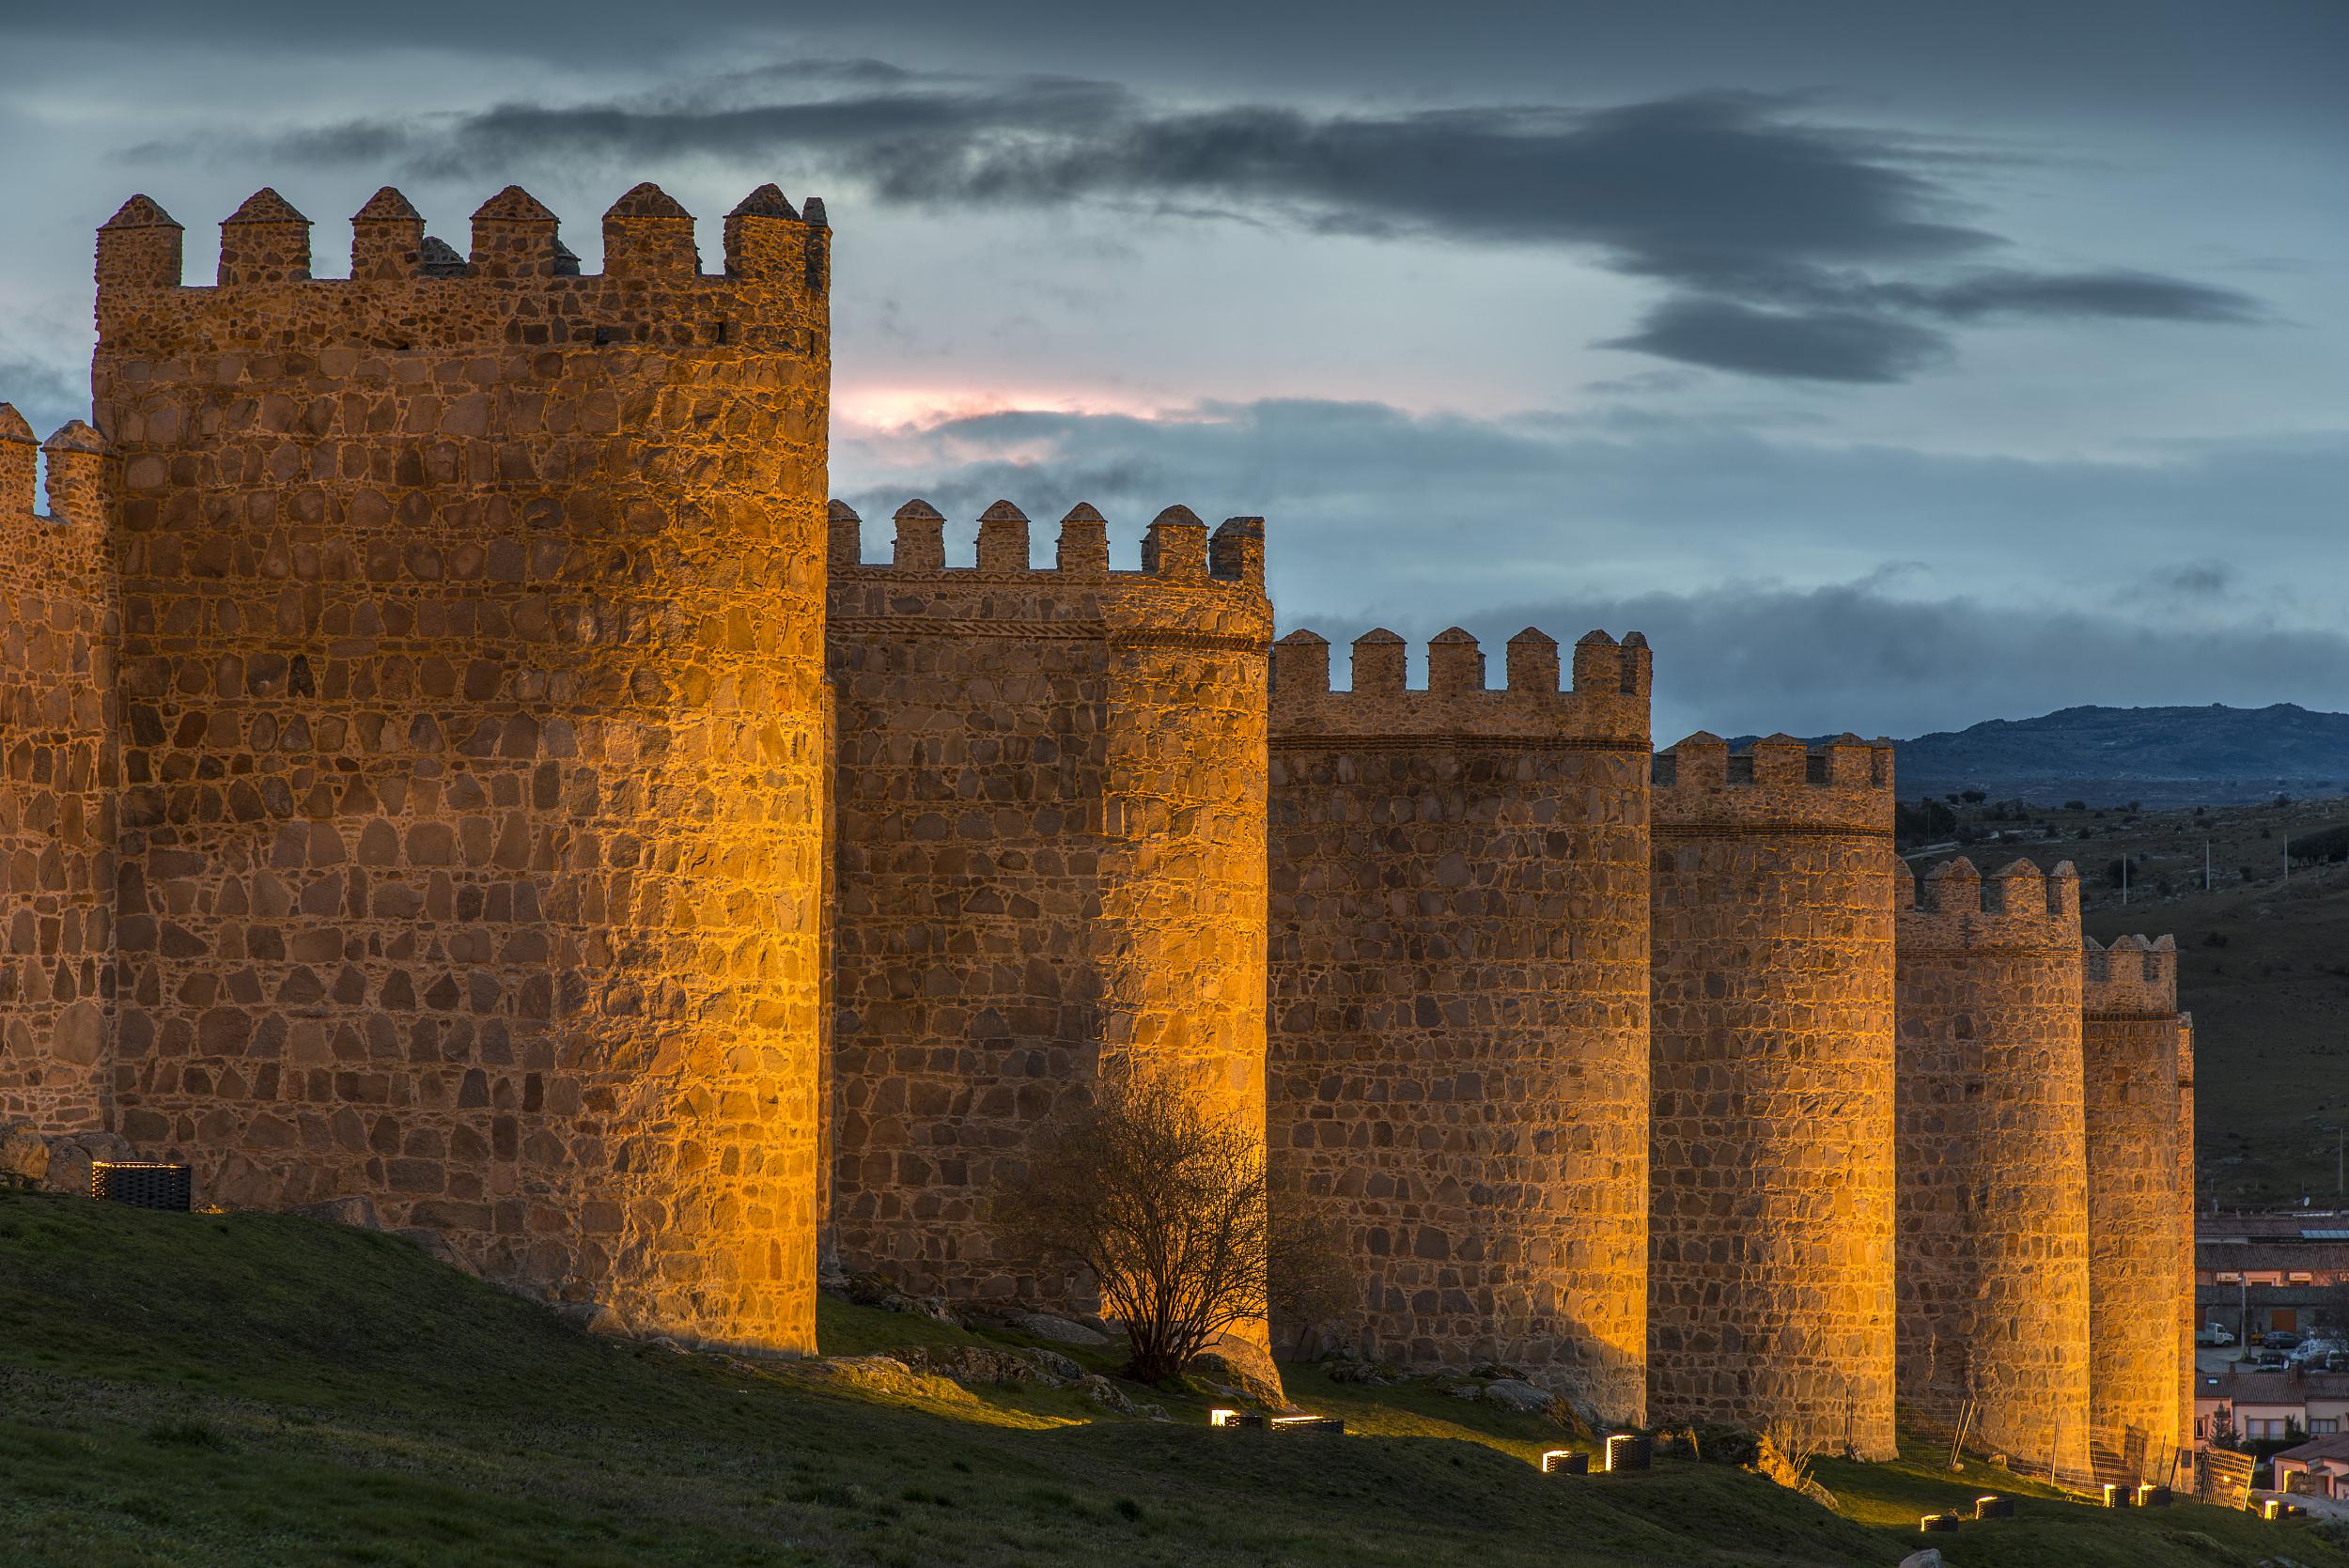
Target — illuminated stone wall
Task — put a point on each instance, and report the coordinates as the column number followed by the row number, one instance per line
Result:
column 471, row 687
column 56, row 817
column 1770, row 1294
column 1050, row 863
column 2183, row 1199
column 1459, row 1000
column 2130, row 1043
column 1992, row 1265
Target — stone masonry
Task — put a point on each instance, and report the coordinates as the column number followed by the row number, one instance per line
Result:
column 2131, row 1042
column 1049, row 857
column 450, row 755
column 471, row 701
column 57, row 807
column 1459, row 998
column 1770, row 1295
column 1992, row 1225
column 2182, row 1197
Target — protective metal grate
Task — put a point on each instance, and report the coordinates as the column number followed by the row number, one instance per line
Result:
column 140, row 1184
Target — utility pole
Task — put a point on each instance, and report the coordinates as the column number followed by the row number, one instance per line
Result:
column 2287, row 857
column 2206, row 865
column 2125, row 876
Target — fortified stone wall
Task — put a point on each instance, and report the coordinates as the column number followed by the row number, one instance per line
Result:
column 1992, row 1224
column 57, row 807
column 2130, row 1044
column 2187, row 1324
column 472, row 692
column 1770, row 1276
column 1459, row 996
column 1050, row 863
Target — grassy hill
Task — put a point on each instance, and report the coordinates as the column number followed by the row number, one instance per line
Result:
column 2263, row 965
column 258, row 1389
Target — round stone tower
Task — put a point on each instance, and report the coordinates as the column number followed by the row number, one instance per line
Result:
column 1050, row 857
column 2130, row 1044
column 1770, row 1219
column 473, row 690
column 1459, row 998
column 1993, row 1213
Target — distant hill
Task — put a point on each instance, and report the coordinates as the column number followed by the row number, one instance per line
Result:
column 2159, row 755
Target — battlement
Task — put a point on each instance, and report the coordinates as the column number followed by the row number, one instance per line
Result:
column 1177, row 547
column 1842, row 785
column 1190, row 587
column 2019, row 905
column 1606, row 704
column 2132, row 975
column 519, row 285
column 75, row 488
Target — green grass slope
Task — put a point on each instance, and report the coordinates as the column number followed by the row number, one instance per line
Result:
column 256, row 1389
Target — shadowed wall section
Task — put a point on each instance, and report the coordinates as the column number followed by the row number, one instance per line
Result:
column 1459, row 999
column 471, row 690
column 56, row 768
column 1993, row 1217
column 1770, row 1230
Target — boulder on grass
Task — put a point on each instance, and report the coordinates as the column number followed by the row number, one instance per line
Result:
column 1233, row 1363
column 979, row 1364
column 1108, row 1395
column 1516, row 1393
column 879, row 1290
column 24, row 1154
column 356, row 1210
column 1051, row 1325
column 71, row 1155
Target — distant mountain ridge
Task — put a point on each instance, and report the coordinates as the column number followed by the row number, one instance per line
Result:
column 2159, row 755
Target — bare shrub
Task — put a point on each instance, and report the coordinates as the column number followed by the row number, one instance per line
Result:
column 1163, row 1201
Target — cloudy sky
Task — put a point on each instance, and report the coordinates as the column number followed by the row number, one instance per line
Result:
column 1891, row 366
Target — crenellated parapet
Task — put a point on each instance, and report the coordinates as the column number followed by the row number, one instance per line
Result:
column 1605, row 705
column 1192, row 587
column 519, row 288
column 2016, row 906
column 78, row 493
column 1776, row 784
column 2131, row 978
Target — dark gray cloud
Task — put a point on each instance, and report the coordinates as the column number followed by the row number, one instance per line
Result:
column 2146, row 296
column 1817, row 345
column 1794, row 247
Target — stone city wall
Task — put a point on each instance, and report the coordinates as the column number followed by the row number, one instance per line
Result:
column 1459, row 999
column 1770, row 1283
column 1050, row 860
column 2130, row 1045
column 471, row 687
column 56, row 805
column 1992, row 1262
column 2184, row 1202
